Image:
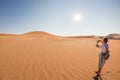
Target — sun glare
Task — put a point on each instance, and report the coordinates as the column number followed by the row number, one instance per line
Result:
column 77, row 17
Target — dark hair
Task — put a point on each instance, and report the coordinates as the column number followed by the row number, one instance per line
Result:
column 105, row 40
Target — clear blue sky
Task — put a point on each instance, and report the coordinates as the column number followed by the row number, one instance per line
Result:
column 99, row 17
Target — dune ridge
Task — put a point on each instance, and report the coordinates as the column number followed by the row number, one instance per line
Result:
column 42, row 34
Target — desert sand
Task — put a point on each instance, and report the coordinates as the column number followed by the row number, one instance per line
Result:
column 43, row 56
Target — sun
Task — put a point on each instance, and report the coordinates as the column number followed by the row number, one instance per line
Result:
column 78, row 17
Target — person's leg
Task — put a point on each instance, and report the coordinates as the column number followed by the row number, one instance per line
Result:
column 99, row 64
column 102, row 62
column 99, row 70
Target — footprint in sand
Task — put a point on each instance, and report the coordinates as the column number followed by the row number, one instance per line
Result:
column 118, row 71
column 108, row 72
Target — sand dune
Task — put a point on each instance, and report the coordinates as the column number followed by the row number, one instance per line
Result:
column 35, row 58
column 42, row 34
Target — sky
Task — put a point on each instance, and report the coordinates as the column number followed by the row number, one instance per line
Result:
column 60, row 17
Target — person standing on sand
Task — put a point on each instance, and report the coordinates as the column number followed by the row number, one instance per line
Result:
column 101, row 59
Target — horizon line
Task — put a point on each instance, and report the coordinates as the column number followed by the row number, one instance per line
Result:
column 56, row 34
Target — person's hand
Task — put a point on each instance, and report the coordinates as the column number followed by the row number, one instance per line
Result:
column 98, row 41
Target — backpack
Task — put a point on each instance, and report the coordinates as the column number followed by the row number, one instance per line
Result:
column 106, row 54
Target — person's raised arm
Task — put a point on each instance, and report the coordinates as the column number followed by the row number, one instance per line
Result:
column 97, row 45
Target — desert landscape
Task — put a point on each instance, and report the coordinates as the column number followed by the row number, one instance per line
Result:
column 44, row 56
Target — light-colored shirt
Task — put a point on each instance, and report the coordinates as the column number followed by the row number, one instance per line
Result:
column 102, row 48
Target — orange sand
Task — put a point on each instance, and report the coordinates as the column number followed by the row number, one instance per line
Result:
column 25, row 57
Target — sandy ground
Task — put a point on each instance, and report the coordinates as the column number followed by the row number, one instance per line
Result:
column 34, row 58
